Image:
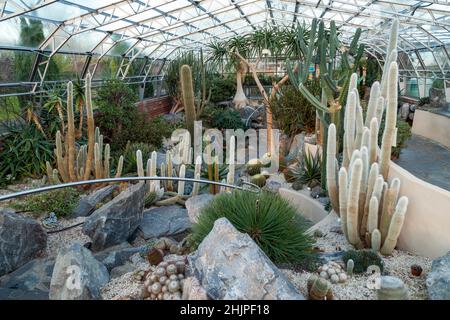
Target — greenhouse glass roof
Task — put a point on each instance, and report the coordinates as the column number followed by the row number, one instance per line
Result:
column 161, row 29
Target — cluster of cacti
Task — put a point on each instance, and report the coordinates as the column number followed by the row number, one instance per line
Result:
column 165, row 246
column 333, row 272
column 91, row 160
column 166, row 282
column 319, row 288
column 371, row 211
column 330, row 107
column 162, row 192
column 254, row 170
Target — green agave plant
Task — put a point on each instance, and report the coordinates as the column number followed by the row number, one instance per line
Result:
column 267, row 218
column 310, row 169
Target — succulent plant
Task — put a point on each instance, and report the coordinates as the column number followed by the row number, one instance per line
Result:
column 371, row 211
column 362, row 259
column 319, row 288
column 165, row 282
column 91, row 160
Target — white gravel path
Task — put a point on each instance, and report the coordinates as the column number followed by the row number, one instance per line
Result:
column 399, row 265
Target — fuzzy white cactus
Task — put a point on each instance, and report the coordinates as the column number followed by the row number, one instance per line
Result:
column 371, row 214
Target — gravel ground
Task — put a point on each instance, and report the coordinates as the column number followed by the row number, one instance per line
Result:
column 399, row 265
column 64, row 239
column 127, row 286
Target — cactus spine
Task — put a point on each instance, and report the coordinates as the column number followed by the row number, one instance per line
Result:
column 370, row 211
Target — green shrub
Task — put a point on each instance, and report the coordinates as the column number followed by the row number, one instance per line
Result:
column 129, row 156
column 363, row 259
column 222, row 88
column 403, row 134
column 117, row 112
column 267, row 218
column 145, row 131
column 423, row 101
column 219, row 118
column 438, row 84
column 61, row 202
column 292, row 112
column 24, row 151
column 120, row 121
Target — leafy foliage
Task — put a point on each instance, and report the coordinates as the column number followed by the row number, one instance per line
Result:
column 363, row 259
column 24, row 152
column 292, row 112
column 129, row 155
column 423, row 101
column 219, row 118
column 267, row 218
column 117, row 112
column 373, row 71
column 120, row 121
column 222, row 88
column 403, row 134
column 61, row 202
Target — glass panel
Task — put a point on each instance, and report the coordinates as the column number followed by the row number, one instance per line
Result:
column 107, row 67
column 65, row 67
column 16, row 66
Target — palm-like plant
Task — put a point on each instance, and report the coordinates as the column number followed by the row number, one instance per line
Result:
column 55, row 102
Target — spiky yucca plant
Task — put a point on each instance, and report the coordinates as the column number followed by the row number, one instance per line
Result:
column 267, row 218
column 309, row 170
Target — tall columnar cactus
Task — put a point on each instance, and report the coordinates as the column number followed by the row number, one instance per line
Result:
column 371, row 212
column 89, row 161
column 187, row 92
column 330, row 106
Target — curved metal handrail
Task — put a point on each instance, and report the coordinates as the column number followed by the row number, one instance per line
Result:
column 123, row 179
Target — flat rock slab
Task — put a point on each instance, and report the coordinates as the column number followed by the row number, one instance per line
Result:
column 21, row 240
column 195, row 204
column 119, row 255
column 88, row 203
column 117, row 220
column 231, row 266
column 438, row 280
column 164, row 222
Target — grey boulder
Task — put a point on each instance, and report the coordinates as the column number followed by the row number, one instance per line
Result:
column 438, row 279
column 116, row 221
column 195, row 204
column 230, row 265
column 166, row 221
column 29, row 282
column 21, row 240
column 119, row 255
column 88, row 203
column 77, row 275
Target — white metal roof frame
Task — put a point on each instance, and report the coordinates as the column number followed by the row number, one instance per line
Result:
column 157, row 29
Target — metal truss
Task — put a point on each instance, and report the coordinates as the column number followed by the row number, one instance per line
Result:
column 155, row 30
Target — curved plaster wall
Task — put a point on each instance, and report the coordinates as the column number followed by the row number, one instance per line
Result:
column 426, row 230
column 306, row 206
column 433, row 126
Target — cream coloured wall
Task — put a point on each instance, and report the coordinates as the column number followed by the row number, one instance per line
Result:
column 433, row 126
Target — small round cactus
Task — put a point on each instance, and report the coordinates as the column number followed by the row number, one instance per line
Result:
column 259, row 180
column 319, row 289
column 165, row 282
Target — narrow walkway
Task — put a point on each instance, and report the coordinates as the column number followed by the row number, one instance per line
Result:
column 426, row 160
